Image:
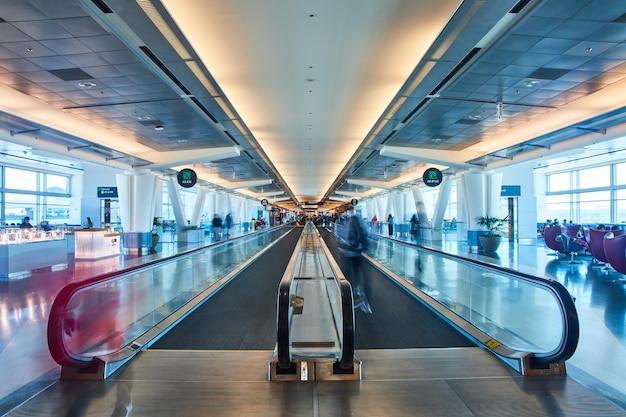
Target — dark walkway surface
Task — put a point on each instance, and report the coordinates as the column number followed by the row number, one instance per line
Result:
column 242, row 315
column 398, row 320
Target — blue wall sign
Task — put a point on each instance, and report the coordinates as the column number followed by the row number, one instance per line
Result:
column 107, row 192
column 511, row 191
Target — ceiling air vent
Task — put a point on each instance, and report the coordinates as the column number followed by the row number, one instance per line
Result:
column 204, row 109
column 231, row 137
column 163, row 68
column 519, row 6
column 71, row 74
column 104, row 8
column 548, row 73
column 467, row 121
column 443, row 82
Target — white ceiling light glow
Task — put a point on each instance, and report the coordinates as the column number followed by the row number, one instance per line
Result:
column 293, row 88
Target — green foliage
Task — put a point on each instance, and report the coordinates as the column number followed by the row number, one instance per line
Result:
column 156, row 223
column 494, row 225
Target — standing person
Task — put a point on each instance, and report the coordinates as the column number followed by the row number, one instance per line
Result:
column 375, row 224
column 415, row 229
column 228, row 220
column 351, row 244
column 217, row 226
column 390, row 222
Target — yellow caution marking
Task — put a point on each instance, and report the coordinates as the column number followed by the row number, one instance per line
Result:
column 492, row 343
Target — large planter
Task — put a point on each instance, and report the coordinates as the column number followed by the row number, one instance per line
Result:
column 490, row 243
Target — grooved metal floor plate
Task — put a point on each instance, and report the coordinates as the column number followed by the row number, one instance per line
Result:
column 426, row 382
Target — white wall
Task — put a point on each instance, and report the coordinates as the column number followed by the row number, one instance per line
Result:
column 523, row 175
column 94, row 176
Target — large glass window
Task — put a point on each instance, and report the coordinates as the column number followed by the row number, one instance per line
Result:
column 57, row 184
column 588, row 195
column 57, row 210
column 19, row 179
column 38, row 195
column 594, row 177
column 558, row 206
column 595, row 207
column 620, row 174
column 17, row 206
column 559, row 182
column 620, row 206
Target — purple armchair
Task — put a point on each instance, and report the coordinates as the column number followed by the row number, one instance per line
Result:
column 550, row 234
column 571, row 246
column 596, row 244
column 615, row 250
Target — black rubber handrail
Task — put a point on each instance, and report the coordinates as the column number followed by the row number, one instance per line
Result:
column 571, row 324
column 57, row 321
column 282, row 324
column 346, row 361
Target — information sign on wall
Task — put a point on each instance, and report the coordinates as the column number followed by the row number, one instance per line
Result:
column 511, row 191
column 107, row 192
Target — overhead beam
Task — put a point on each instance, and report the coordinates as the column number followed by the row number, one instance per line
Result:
column 176, row 158
column 452, row 159
column 385, row 185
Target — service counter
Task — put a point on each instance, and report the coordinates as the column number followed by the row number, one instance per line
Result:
column 96, row 243
column 19, row 258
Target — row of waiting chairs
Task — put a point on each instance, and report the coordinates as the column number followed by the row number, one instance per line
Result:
column 608, row 247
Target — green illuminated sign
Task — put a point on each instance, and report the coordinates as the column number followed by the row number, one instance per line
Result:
column 432, row 177
column 187, row 178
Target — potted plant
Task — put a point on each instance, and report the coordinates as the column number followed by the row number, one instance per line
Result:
column 156, row 224
column 490, row 238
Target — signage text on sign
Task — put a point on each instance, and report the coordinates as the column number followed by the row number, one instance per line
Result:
column 511, row 191
column 432, row 177
column 187, row 178
column 107, row 192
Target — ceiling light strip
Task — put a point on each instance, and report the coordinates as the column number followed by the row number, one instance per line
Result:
column 163, row 68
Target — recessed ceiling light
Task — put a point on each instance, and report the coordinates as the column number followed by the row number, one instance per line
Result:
column 476, row 117
column 87, row 84
column 532, row 83
column 158, row 127
column 143, row 118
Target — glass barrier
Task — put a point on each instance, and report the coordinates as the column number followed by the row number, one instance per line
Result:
column 102, row 315
column 522, row 313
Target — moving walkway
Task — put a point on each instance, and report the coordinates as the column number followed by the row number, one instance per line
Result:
column 505, row 314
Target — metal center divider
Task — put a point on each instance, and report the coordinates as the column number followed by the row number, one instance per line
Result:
column 315, row 317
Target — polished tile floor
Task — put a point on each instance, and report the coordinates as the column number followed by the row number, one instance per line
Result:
column 599, row 362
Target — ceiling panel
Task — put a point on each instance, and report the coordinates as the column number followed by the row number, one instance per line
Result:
column 471, row 89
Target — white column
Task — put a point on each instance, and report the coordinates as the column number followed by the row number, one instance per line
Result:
column 177, row 203
column 198, row 206
column 445, row 189
column 133, row 192
column 474, row 191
